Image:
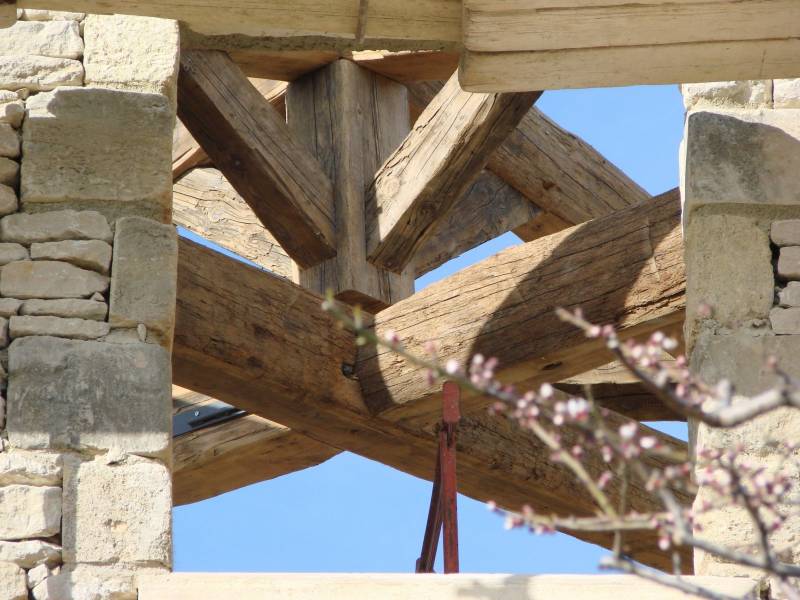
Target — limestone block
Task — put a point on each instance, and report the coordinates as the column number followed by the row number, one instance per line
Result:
column 49, row 279
column 56, row 39
column 143, row 283
column 12, row 113
column 90, row 254
column 785, row 320
column 39, row 73
column 117, row 512
column 787, row 93
column 727, row 252
column 75, row 394
column 9, row 307
column 76, row 329
column 30, row 468
column 789, row 263
column 29, row 553
column 786, row 232
column 12, row 582
column 31, row 14
column 750, row 157
column 81, row 149
column 87, row 582
column 37, row 575
column 9, row 141
column 12, row 253
column 55, row 226
column 77, row 309
column 741, row 358
column 9, row 171
column 790, row 295
column 132, row 53
column 746, row 94
column 29, row 511
column 8, row 200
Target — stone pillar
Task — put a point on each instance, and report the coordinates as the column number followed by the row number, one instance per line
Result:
column 88, row 261
column 740, row 169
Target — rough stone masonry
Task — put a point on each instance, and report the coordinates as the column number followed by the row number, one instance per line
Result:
column 88, row 261
column 740, row 160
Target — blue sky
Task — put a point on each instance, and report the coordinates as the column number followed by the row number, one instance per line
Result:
column 354, row 515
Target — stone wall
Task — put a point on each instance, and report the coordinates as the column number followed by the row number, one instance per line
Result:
column 88, row 262
column 740, row 166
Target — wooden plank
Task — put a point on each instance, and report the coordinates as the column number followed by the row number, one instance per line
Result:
column 351, row 120
column 285, row 65
column 488, row 209
column 205, row 203
column 408, row 66
column 252, row 146
column 637, row 65
column 541, row 225
column 436, row 163
column 625, row 269
column 225, row 457
column 264, row 345
column 519, row 25
column 630, row 399
column 553, row 168
column 296, row 24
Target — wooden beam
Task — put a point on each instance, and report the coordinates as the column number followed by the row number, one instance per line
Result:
column 351, row 119
column 205, row 203
column 252, row 146
column 489, row 208
column 408, row 66
column 625, row 269
column 553, row 168
column 225, row 457
column 263, row 344
column 8, row 13
column 433, row 167
column 297, row 24
column 630, row 399
column 551, row 44
column 541, row 225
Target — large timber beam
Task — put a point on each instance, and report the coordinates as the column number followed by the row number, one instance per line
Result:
column 248, row 141
column 552, row 44
column 626, row 269
column 553, row 168
column 224, row 457
column 297, row 24
column 434, row 166
column 263, row 344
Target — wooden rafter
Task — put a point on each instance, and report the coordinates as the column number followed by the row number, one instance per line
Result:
column 252, row 146
column 230, row 455
column 433, row 167
column 626, row 268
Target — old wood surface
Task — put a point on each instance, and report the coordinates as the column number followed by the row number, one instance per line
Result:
column 205, row 203
column 541, row 225
column 630, row 399
column 225, row 457
column 433, row 167
column 555, row 169
column 264, row 345
column 249, row 142
column 489, row 208
column 625, row 269
column 293, row 24
column 351, row 120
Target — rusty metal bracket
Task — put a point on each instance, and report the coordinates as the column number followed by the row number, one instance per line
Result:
column 443, row 511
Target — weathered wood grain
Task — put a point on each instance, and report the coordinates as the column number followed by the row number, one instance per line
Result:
column 247, row 140
column 205, row 203
column 541, row 225
column 294, row 24
column 225, row 457
column 351, row 120
column 555, row 169
column 634, row 65
column 625, row 269
column 630, row 399
column 264, row 345
column 436, row 163
column 489, row 208
column 408, row 66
